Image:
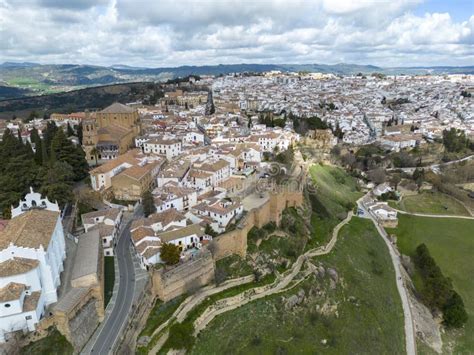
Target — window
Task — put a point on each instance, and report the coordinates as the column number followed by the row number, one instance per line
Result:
column 7, row 305
column 28, row 317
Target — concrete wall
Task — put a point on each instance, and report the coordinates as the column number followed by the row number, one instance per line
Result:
column 168, row 284
column 235, row 242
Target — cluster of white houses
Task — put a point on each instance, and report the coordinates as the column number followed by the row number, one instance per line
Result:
column 32, row 251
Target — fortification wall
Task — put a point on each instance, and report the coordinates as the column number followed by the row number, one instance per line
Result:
column 168, row 284
column 235, row 242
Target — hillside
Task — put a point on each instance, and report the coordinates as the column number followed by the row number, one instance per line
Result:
column 50, row 78
column 77, row 100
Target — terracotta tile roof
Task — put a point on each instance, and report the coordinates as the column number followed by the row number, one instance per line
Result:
column 166, row 217
column 181, row 233
column 109, row 213
column 131, row 157
column 31, row 301
column 11, row 292
column 87, row 257
column 142, row 232
column 151, row 252
column 16, row 266
column 30, row 229
column 149, row 243
column 117, row 107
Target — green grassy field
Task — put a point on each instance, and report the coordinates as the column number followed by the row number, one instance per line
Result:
column 368, row 317
column 335, row 194
column 109, row 278
column 160, row 313
column 451, row 243
column 431, row 203
column 53, row 344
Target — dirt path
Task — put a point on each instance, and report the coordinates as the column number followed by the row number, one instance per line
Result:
column 280, row 285
column 434, row 215
column 192, row 301
column 402, row 288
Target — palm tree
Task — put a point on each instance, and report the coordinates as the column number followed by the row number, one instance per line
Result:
column 95, row 153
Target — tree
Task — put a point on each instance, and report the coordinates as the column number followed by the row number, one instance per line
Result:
column 56, row 182
column 170, row 253
column 395, row 180
column 62, row 149
column 79, row 132
column 18, row 170
column 69, row 131
column 455, row 140
column 377, row 175
column 210, row 231
column 95, row 152
column 454, row 313
column 148, row 203
column 181, row 336
column 419, row 176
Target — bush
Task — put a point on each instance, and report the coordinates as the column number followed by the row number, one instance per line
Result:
column 181, row 336
column 438, row 292
column 454, row 313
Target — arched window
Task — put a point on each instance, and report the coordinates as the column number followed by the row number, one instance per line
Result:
column 33, row 203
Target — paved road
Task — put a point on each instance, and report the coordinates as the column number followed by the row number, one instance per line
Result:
column 118, row 317
column 402, row 290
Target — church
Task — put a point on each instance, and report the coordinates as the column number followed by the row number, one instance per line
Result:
column 111, row 133
column 32, row 252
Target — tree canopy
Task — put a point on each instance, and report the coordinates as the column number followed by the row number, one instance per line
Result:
column 52, row 167
column 170, row 253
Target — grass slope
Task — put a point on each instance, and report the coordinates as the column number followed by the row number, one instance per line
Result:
column 369, row 314
column 109, row 278
column 53, row 344
column 451, row 244
column 335, row 194
column 430, row 202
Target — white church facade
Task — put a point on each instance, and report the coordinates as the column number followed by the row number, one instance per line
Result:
column 32, row 251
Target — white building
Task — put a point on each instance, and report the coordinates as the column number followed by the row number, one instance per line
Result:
column 108, row 223
column 168, row 147
column 32, row 251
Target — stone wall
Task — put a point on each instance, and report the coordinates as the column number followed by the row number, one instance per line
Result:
column 168, row 284
column 235, row 242
column 83, row 324
column 78, row 322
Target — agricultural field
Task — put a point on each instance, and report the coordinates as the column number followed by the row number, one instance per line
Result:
column 334, row 194
column 430, row 202
column 356, row 311
column 451, row 243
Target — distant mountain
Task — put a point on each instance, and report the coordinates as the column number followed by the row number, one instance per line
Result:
column 37, row 79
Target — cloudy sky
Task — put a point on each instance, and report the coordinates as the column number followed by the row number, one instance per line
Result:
column 197, row 32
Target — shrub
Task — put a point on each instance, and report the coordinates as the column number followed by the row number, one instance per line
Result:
column 181, row 336
column 454, row 313
column 438, row 292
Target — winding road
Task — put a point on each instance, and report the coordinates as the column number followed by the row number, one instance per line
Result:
column 114, row 322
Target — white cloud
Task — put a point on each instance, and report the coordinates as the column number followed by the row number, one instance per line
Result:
column 171, row 33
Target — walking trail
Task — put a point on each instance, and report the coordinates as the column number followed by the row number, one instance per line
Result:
column 279, row 285
column 434, row 215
